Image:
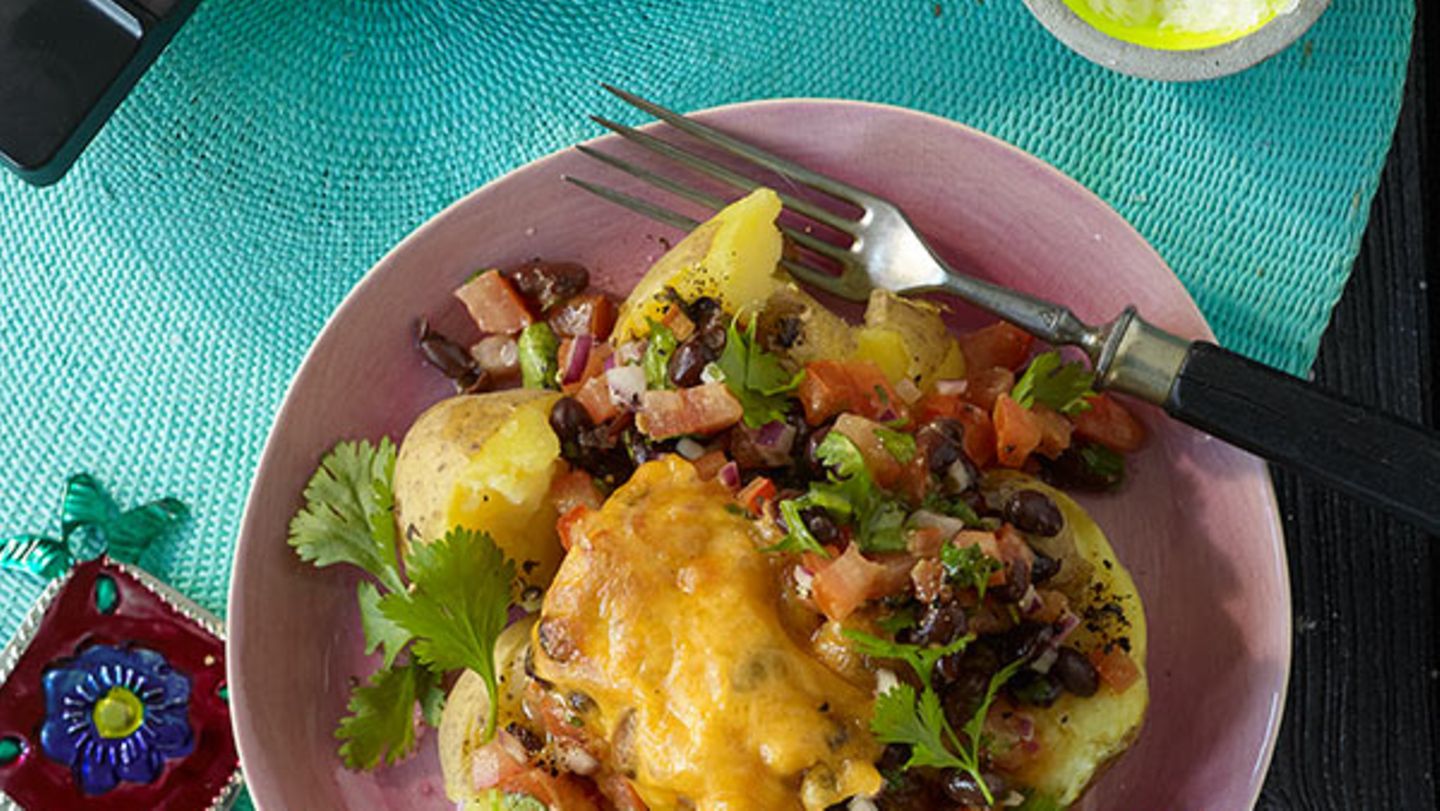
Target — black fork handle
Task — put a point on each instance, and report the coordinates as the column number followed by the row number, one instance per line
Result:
column 1370, row 455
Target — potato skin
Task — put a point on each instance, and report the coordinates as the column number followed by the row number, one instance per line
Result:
column 459, row 465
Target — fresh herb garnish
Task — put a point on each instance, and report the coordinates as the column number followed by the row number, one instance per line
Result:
column 656, row 360
column 1053, row 382
column 349, row 514
column 497, row 800
column 381, row 723
column 898, row 620
column 537, row 351
column 757, row 378
column 968, row 566
column 457, row 606
column 1105, row 464
column 918, row 720
column 897, row 443
column 849, row 494
column 448, row 618
column 921, row 658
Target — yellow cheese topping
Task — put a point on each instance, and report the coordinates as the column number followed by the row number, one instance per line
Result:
column 666, row 614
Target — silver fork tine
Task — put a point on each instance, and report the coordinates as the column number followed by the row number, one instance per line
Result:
column 694, row 195
column 722, row 173
column 635, row 204
column 754, row 154
column 804, row 272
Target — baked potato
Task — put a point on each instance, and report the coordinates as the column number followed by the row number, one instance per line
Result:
column 462, row 724
column 733, row 257
column 484, row 462
column 1078, row 737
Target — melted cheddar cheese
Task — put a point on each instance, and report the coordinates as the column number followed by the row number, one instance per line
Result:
column 666, row 615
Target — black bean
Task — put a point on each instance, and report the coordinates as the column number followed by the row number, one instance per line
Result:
column 1045, row 567
column 641, row 448
column 1072, row 470
column 1035, row 689
column 569, row 419
column 707, row 315
column 546, row 284
column 453, row 360
column 1017, row 583
column 941, row 623
column 820, row 524
column 963, row 788
column 1034, row 512
column 1023, row 641
column 1075, row 672
column 689, row 362
column 940, row 443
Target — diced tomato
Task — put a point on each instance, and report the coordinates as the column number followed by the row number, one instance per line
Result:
column 1000, row 344
column 562, row 792
column 754, row 494
column 928, row 577
column 703, row 409
column 572, row 488
column 883, row 465
column 1111, row 424
column 500, row 759
column 831, row 387
column 494, row 304
column 986, row 385
column 845, row 583
column 594, row 394
column 566, row 526
column 708, row 465
column 586, row 314
column 1055, row 431
column 979, row 439
column 1017, row 432
column 1115, row 667
column 925, row 542
column 1014, row 551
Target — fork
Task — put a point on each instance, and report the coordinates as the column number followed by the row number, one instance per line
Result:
column 1371, row 455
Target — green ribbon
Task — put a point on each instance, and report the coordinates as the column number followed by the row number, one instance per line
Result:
column 87, row 507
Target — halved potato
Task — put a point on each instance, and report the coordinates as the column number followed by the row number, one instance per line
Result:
column 793, row 322
column 462, row 724
column 1079, row 737
column 733, row 257
column 908, row 337
column 484, row 462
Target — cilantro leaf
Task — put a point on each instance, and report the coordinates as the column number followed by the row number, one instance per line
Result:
column 976, row 724
column 458, row 606
column 921, row 658
column 851, row 494
column 842, row 455
column 917, row 721
column 1103, row 463
column 497, row 800
column 349, row 512
column 798, row 537
column 380, row 631
column 968, row 566
column 656, row 360
column 381, row 723
column 1055, row 383
column 898, row 620
column 897, row 443
column 757, row 378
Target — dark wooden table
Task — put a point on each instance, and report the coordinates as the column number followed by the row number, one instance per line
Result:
column 1362, row 724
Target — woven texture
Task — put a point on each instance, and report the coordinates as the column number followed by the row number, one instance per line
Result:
column 157, row 299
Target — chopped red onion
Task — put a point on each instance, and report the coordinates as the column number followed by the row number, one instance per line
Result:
column 729, row 475
column 951, row 388
column 1067, row 624
column 579, row 358
column 1030, row 601
column 1044, row 661
column 908, row 391
column 888, row 415
column 626, row 384
column 960, row 475
column 689, row 448
column 947, row 525
column 497, row 354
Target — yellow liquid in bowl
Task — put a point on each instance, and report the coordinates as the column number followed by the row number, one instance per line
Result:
column 1155, row 31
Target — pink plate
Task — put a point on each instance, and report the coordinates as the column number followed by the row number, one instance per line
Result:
column 1197, row 524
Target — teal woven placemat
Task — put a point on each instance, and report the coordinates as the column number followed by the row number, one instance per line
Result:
column 158, row 299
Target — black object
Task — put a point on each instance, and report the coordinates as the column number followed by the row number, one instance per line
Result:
column 1295, row 424
column 65, row 65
